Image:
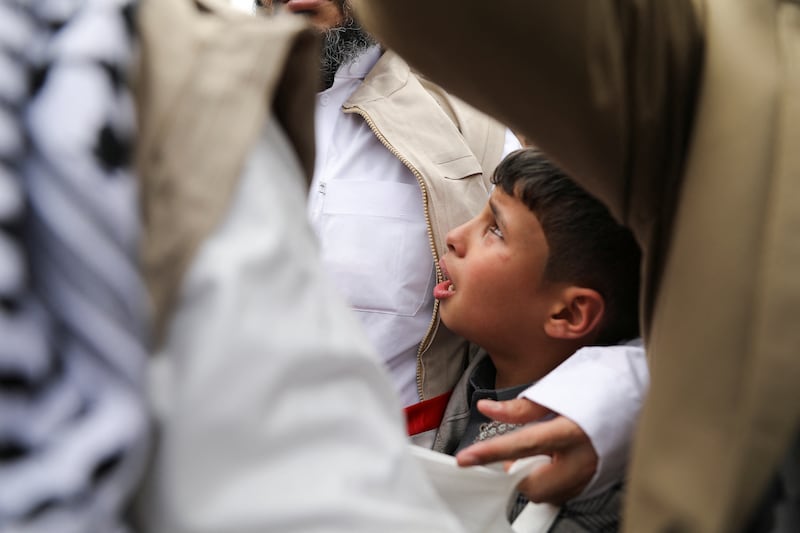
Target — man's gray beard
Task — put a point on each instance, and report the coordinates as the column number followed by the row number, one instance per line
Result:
column 341, row 45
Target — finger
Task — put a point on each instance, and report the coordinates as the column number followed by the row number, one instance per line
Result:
column 564, row 478
column 516, row 411
column 507, row 447
column 547, row 485
column 541, row 438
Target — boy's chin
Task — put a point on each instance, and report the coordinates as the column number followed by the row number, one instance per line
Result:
column 445, row 317
column 450, row 320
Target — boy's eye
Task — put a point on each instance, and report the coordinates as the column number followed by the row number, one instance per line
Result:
column 493, row 228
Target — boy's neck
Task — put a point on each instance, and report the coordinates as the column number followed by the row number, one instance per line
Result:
column 514, row 369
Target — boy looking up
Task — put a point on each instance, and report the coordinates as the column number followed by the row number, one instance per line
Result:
column 541, row 272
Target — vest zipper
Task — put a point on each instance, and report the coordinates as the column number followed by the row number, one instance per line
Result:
column 426, row 340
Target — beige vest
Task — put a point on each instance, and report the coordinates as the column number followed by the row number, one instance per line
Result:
column 452, row 149
column 209, row 77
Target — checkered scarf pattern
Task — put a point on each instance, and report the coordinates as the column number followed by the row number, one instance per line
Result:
column 73, row 424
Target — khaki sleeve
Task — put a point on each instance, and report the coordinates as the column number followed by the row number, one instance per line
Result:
column 604, row 87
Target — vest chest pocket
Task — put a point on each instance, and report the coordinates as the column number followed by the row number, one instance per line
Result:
column 374, row 242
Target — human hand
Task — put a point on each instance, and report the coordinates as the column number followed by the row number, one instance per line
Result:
column 574, row 460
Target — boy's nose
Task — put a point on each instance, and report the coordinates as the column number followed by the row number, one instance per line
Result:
column 455, row 240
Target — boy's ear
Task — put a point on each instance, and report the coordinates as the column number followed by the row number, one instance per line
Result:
column 577, row 313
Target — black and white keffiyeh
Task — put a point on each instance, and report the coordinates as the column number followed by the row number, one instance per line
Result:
column 73, row 424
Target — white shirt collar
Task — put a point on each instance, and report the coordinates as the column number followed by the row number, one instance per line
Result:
column 359, row 67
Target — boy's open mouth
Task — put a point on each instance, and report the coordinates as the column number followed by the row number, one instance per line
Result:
column 446, row 288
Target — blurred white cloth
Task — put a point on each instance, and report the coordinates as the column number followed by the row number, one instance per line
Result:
column 276, row 414
column 479, row 495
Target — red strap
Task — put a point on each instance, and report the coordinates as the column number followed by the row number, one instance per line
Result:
column 427, row 414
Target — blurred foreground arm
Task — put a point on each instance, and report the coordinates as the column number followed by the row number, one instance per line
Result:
column 582, row 79
column 273, row 412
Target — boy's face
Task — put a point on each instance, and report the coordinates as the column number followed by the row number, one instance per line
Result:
column 495, row 266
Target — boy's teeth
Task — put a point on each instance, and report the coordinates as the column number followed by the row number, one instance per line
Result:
column 451, row 288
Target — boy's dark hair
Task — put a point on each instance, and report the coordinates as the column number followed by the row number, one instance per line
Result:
column 587, row 247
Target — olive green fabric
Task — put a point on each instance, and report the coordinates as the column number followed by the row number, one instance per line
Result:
column 684, row 117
